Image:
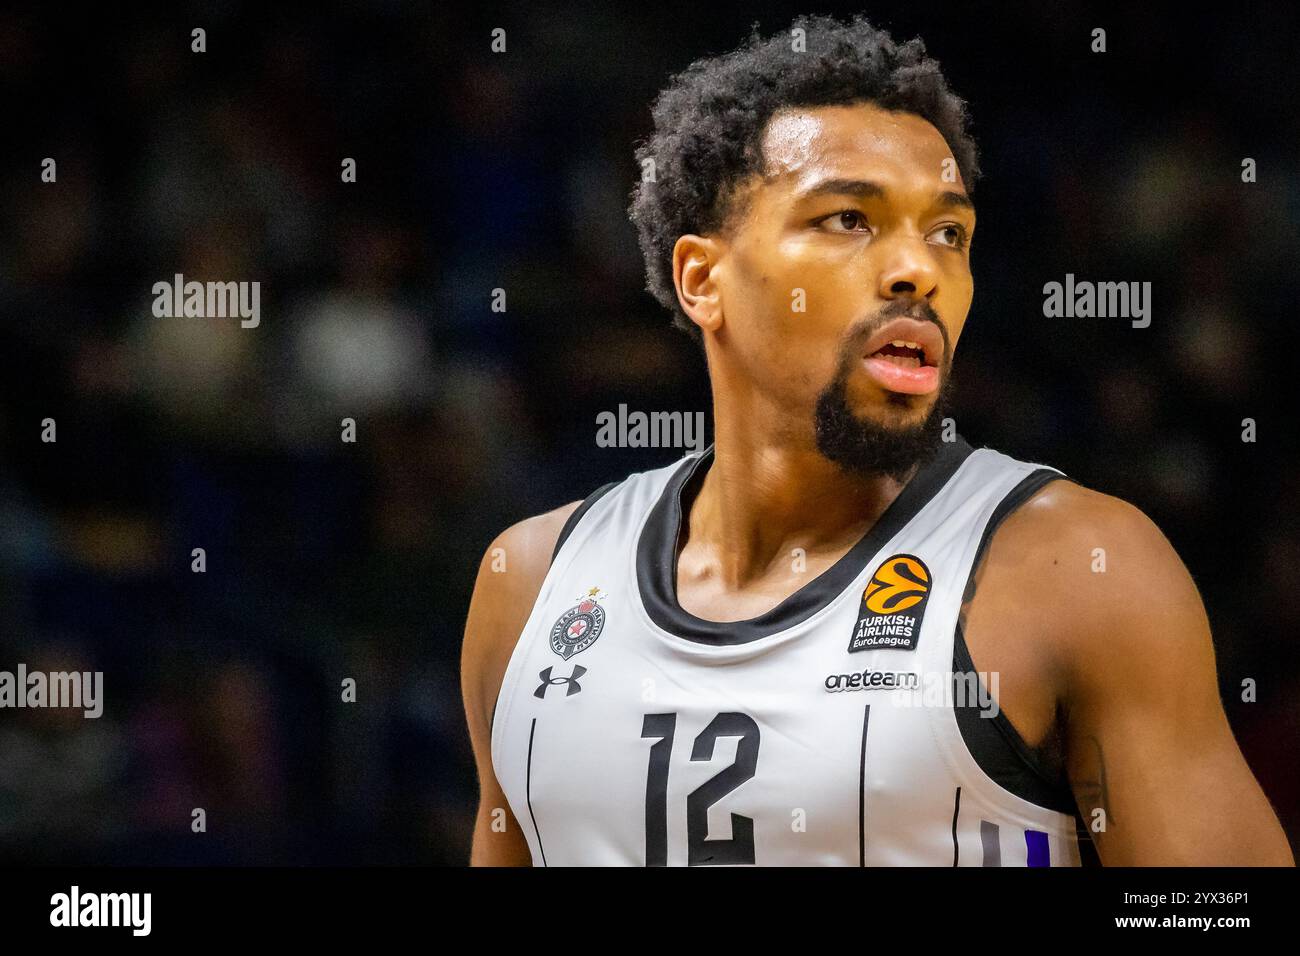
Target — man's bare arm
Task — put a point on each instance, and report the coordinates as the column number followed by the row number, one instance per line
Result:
column 509, row 578
column 1150, row 752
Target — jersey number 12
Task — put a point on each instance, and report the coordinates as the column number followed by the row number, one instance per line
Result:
column 701, row 851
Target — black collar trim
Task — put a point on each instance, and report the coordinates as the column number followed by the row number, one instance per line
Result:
column 660, row 543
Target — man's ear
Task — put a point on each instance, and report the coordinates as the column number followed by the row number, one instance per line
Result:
column 696, row 270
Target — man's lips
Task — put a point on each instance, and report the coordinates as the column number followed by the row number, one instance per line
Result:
column 924, row 334
column 912, row 365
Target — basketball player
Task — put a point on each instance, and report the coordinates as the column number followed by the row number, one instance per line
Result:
column 741, row 657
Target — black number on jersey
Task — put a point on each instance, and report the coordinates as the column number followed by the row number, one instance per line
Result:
column 701, row 851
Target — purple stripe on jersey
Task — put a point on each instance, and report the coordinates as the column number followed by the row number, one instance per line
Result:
column 1036, row 843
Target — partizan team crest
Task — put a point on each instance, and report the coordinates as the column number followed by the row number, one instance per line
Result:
column 579, row 626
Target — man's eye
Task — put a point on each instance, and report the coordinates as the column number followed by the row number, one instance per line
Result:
column 847, row 220
column 954, row 235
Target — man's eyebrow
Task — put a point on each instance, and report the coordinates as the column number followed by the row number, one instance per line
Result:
column 865, row 189
column 860, row 188
column 952, row 198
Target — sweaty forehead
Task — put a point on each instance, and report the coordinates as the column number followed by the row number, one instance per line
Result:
column 861, row 140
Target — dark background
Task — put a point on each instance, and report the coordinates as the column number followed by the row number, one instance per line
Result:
column 477, row 171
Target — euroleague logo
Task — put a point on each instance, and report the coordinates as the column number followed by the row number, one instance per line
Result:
column 893, row 605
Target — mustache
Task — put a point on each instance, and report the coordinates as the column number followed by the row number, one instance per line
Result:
column 860, row 332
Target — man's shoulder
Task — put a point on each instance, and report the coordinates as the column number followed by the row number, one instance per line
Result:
column 516, row 562
column 1052, row 515
column 509, row 579
column 518, row 557
column 1091, row 567
column 1068, row 520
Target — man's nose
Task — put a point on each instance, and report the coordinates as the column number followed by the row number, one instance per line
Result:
column 909, row 270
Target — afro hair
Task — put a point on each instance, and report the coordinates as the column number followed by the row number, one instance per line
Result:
column 709, row 123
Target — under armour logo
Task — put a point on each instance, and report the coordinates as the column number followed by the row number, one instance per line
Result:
column 571, row 680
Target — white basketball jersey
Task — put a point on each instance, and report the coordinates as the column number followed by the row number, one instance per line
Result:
column 628, row 731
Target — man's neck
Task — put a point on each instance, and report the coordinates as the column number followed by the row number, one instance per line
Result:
column 761, row 499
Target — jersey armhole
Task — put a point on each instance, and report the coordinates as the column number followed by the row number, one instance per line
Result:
column 570, row 524
column 572, row 521
column 994, row 742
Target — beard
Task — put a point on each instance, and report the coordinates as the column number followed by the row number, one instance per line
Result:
column 868, row 449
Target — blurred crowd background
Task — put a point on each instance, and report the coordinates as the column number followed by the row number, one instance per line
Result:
column 478, row 171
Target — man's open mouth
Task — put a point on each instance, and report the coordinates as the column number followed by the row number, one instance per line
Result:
column 906, row 354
